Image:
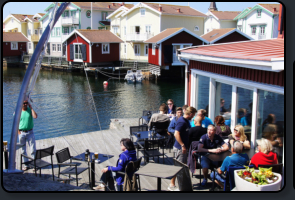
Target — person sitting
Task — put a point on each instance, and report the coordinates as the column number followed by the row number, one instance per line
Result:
column 210, row 143
column 205, row 120
column 270, row 133
column 237, row 159
column 239, row 135
column 221, row 128
column 242, row 112
column 159, row 117
column 196, row 132
column 129, row 154
column 222, row 108
column 171, row 108
column 265, row 156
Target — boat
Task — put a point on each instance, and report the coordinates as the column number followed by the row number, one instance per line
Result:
column 130, row 76
column 138, row 76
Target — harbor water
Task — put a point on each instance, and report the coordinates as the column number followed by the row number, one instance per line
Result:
column 63, row 100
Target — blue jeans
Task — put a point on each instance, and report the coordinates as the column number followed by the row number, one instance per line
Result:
column 30, row 137
column 217, row 177
column 205, row 162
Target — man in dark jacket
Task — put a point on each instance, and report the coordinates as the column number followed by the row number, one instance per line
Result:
column 128, row 154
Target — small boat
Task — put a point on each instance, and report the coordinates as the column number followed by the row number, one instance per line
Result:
column 139, row 76
column 130, row 76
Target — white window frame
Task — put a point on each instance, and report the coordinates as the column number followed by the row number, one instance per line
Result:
column 29, row 45
column 252, row 28
column 154, row 49
column 125, row 48
column 77, row 59
column 59, row 47
column 262, row 28
column 141, row 13
column 105, row 52
column 14, row 45
column 12, row 20
column 234, row 82
column 148, row 28
column 58, row 31
column 138, row 47
column 29, row 32
column 40, row 32
column 53, row 47
column 146, row 47
column 115, row 29
column 36, row 32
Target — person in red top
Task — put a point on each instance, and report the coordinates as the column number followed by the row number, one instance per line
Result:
column 265, row 156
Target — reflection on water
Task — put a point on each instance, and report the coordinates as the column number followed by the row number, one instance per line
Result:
column 64, row 105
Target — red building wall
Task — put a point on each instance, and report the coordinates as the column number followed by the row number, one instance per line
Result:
column 260, row 76
column 21, row 46
column 234, row 37
column 112, row 56
column 153, row 59
column 182, row 37
column 73, row 39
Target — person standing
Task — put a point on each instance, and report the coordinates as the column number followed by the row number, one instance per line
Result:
column 181, row 144
column 25, row 131
column 196, row 132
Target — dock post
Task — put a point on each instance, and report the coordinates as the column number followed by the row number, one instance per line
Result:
column 92, row 168
column 96, row 75
column 6, row 159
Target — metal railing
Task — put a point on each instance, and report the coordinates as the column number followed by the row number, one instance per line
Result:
column 35, row 37
column 69, row 20
column 138, row 36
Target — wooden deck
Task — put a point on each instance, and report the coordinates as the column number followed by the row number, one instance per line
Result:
column 104, row 142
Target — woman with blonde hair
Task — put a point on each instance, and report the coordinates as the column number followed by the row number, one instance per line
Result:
column 265, row 156
column 239, row 135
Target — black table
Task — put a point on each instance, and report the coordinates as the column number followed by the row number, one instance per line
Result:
column 144, row 135
column 159, row 171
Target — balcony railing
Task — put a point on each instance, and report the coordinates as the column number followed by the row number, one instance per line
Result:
column 138, row 36
column 69, row 20
column 261, row 37
column 64, row 36
column 35, row 38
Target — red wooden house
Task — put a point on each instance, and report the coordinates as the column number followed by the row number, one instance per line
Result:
column 224, row 35
column 163, row 47
column 14, row 44
column 92, row 46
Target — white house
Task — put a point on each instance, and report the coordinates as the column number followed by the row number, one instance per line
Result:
column 259, row 22
column 78, row 15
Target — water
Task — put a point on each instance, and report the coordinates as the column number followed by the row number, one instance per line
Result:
column 65, row 107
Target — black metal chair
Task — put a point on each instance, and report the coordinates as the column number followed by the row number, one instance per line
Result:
column 146, row 116
column 278, row 168
column 151, row 148
column 133, row 167
column 137, row 129
column 63, row 156
column 197, row 157
column 183, row 177
column 38, row 163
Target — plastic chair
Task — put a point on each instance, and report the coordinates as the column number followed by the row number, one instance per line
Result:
column 183, row 177
column 63, row 156
column 38, row 163
column 132, row 167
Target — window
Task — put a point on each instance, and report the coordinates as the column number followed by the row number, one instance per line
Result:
column 12, row 20
column 77, row 51
column 36, row 31
column 262, row 30
column 13, row 45
column 57, row 31
column 259, row 13
column 65, row 30
column 29, row 32
column 223, row 98
column 59, row 47
column 104, row 16
column 196, row 28
column 146, row 49
column 115, row 30
column 148, row 29
column 125, row 48
column 73, row 13
column 125, row 32
column 66, row 13
column 153, row 49
column 137, row 49
column 40, row 31
column 253, row 30
column 240, row 28
column 53, row 47
column 88, row 14
column 105, row 48
column 202, row 91
column 142, row 12
column 207, row 30
column 53, row 32
column 30, row 45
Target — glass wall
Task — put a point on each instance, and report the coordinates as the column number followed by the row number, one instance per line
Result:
column 202, row 92
column 270, row 119
column 223, row 98
column 244, row 109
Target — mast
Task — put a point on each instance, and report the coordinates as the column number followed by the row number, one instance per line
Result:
column 23, row 90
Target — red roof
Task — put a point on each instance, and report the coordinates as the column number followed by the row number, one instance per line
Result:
column 250, row 50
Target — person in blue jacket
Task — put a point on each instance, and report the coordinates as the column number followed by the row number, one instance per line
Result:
column 205, row 120
column 128, row 154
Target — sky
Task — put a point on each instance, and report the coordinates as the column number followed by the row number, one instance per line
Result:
column 39, row 7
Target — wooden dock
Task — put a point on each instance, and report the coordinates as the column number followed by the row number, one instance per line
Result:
column 104, row 142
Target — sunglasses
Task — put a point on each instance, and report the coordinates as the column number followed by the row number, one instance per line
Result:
column 25, row 103
column 236, row 130
column 170, row 103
